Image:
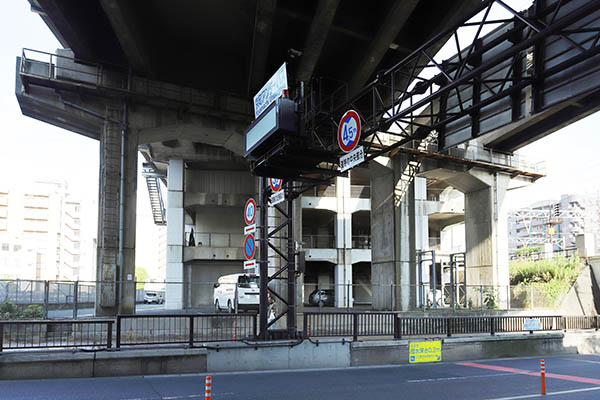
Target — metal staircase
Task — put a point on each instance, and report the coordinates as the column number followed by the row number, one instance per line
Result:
column 156, row 200
column 412, row 168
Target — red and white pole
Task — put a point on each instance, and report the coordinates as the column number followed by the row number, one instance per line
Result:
column 543, row 375
column 208, row 388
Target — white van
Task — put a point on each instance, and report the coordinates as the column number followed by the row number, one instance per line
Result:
column 236, row 292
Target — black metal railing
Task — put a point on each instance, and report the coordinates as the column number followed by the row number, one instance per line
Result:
column 183, row 329
column 190, row 329
column 53, row 334
column 393, row 324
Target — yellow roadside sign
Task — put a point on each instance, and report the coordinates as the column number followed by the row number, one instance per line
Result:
column 428, row 351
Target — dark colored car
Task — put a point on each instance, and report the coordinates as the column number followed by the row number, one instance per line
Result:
column 321, row 297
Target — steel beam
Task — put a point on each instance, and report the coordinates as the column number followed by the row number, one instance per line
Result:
column 317, row 34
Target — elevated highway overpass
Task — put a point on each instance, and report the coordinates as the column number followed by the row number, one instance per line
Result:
column 176, row 83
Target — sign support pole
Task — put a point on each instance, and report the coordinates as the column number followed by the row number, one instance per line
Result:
column 263, row 260
column 291, row 262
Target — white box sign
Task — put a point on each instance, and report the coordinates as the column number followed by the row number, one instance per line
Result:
column 277, row 197
column 352, row 159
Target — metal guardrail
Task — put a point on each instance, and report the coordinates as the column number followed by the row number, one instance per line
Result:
column 332, row 324
column 53, row 334
column 155, row 329
column 163, row 329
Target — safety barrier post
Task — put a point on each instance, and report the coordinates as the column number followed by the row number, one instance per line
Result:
column 397, row 333
column 46, row 295
column 191, row 336
column 108, row 335
column 208, row 388
column 118, row 331
column 254, row 324
column 234, row 331
column 355, row 327
column 76, row 298
column 596, row 322
column 543, row 375
column 305, row 329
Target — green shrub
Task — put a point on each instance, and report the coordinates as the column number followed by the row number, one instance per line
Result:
column 552, row 278
column 489, row 299
column 9, row 311
column 33, row 311
column 560, row 268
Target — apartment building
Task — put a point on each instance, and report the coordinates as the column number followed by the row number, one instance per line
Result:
column 552, row 221
column 40, row 232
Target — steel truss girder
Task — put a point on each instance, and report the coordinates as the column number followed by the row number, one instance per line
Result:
column 417, row 106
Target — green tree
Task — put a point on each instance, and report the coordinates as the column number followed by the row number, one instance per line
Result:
column 141, row 276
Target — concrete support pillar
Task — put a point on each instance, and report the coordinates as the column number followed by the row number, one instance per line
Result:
column 486, row 226
column 422, row 221
column 175, row 235
column 113, row 297
column 393, row 235
column 343, row 243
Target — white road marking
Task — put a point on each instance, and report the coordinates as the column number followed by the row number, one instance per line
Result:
column 454, row 378
column 530, row 396
column 585, row 361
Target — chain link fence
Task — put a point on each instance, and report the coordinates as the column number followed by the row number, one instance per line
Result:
column 60, row 299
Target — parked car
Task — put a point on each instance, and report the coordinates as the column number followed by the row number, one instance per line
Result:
column 321, row 297
column 153, row 297
column 236, row 291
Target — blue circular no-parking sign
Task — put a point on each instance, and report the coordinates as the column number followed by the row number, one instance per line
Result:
column 249, row 247
column 349, row 131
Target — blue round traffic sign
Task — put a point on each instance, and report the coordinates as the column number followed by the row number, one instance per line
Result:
column 275, row 184
column 349, row 131
column 249, row 247
column 250, row 211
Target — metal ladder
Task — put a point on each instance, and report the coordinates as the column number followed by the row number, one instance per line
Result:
column 408, row 174
column 156, row 201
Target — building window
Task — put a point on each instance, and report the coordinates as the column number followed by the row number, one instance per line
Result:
column 17, row 247
column 5, row 247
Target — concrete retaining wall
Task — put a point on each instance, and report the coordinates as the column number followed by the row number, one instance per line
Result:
column 467, row 348
column 303, row 355
column 34, row 365
column 236, row 356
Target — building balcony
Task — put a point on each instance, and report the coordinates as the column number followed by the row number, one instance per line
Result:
column 319, row 241
column 361, row 241
column 214, row 246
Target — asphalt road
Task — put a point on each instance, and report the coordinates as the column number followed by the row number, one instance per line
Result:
column 568, row 377
column 90, row 312
column 67, row 312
